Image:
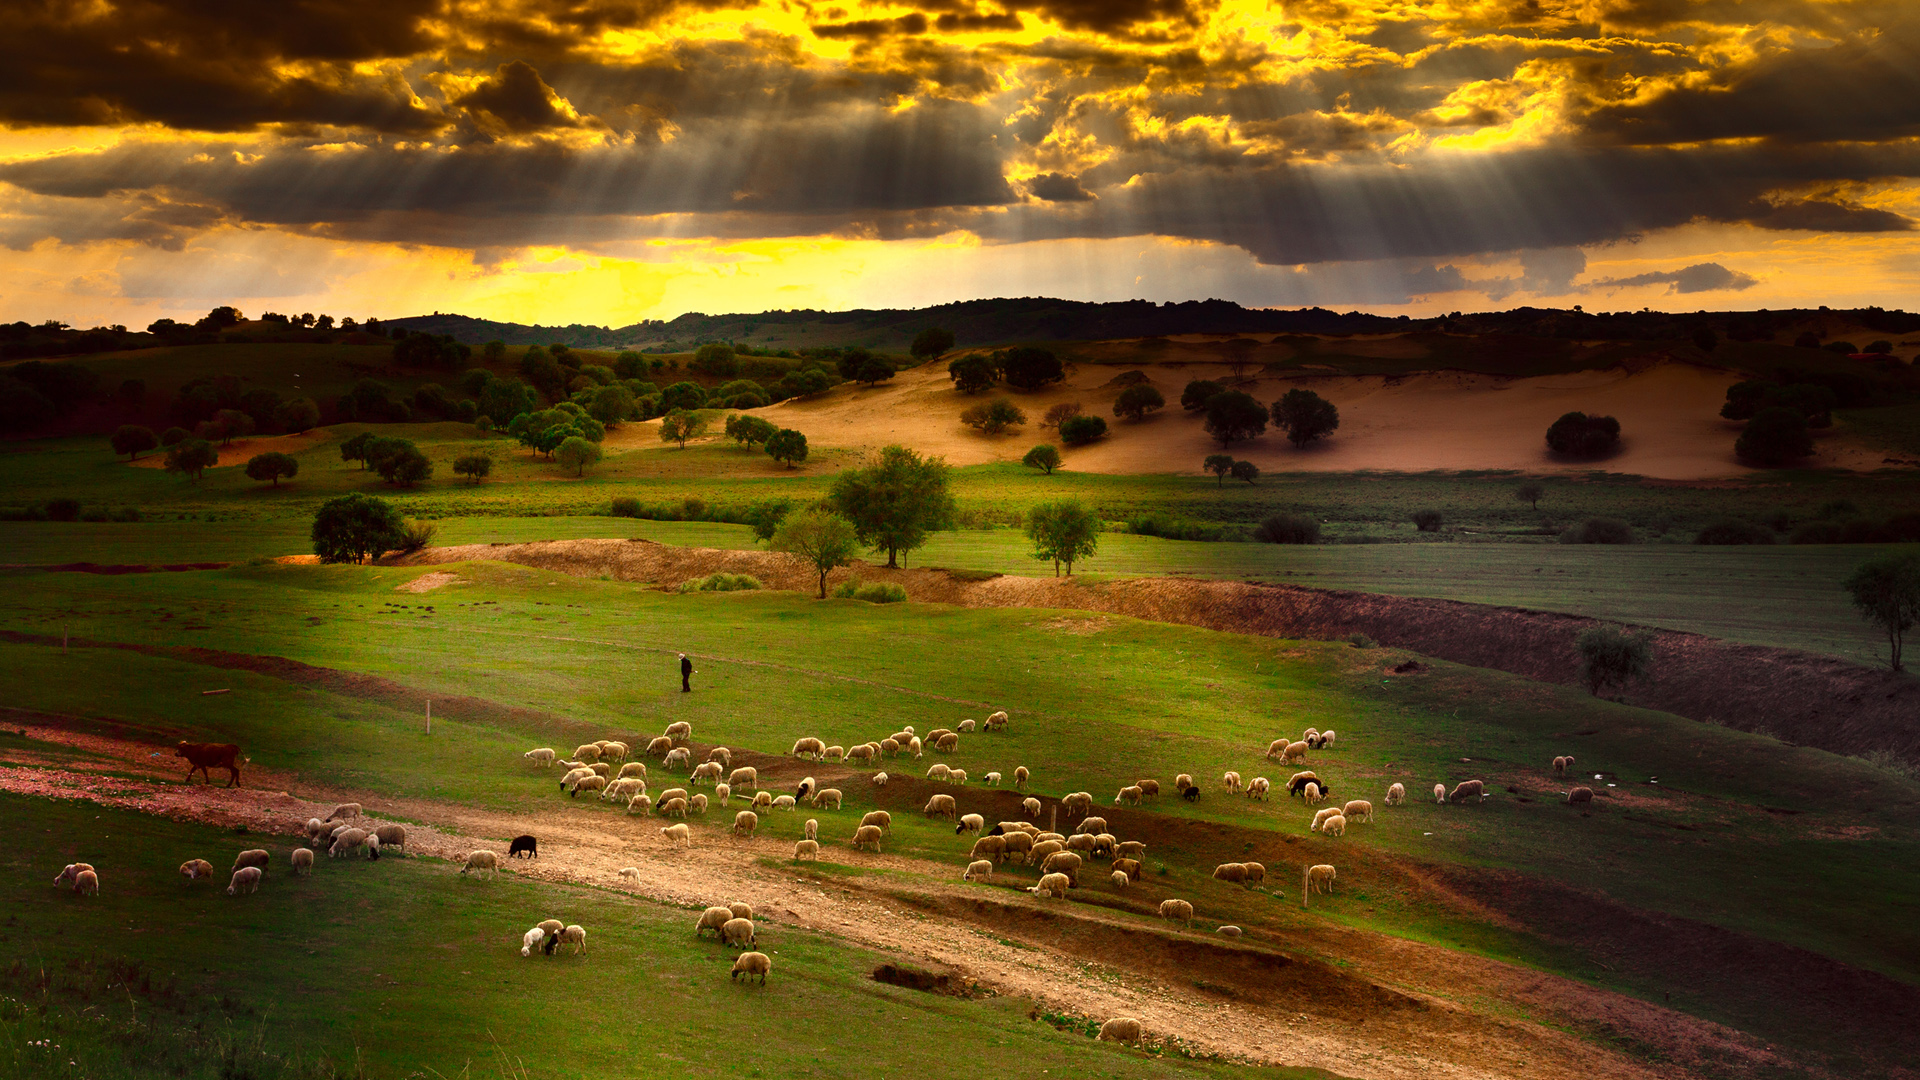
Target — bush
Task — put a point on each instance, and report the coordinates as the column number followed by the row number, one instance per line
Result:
column 721, row 581
column 356, row 527
column 1817, row 532
column 1288, row 529
column 398, row 461
column 624, row 506
column 193, row 456
column 1774, row 437
column 1168, row 527
column 1055, row 414
column 273, row 466
column 1731, row 531
column 1305, row 416
column 1080, row 430
column 1609, row 654
column 1044, row 457
column 415, row 535
column 1599, row 530
column 174, row 436
column 1245, row 470
column 62, row 509
column 473, row 466
column 993, row 417
column 1581, row 436
column 876, row 592
column 1136, row 401
column 1427, row 520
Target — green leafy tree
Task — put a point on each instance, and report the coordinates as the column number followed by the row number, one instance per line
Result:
column 766, row 515
column 895, row 501
column 993, row 417
column 825, row 540
column 716, row 359
column 577, row 453
column 1774, row 437
column 272, row 465
column 494, row 351
column 1579, row 435
column 1530, row 494
column 749, row 431
column 1030, row 368
column 355, row 528
column 788, row 446
column 805, row 382
column 174, row 436
column 399, row 462
column 1198, row 392
column 475, row 467
column 611, row 404
column 740, row 394
column 542, row 372
column 1219, row 465
column 500, row 400
column 1233, row 415
column 355, row 448
column 683, row 396
column 1887, row 593
column 629, row 364
column 131, row 439
column 1305, row 416
column 973, row 373
column 851, row 361
column 1081, row 430
column 1246, row 470
column 193, row 456
column 1064, row 532
column 1045, row 457
column 932, row 343
column 231, row 424
column 680, row 425
column 1136, row 401
column 297, row 415
column 1610, row 655
column 875, row 370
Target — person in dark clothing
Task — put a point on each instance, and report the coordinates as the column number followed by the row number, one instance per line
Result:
column 686, row 672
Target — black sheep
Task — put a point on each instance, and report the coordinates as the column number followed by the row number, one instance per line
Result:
column 1192, row 794
column 524, row 847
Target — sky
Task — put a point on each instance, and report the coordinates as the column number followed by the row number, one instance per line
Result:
column 607, row 161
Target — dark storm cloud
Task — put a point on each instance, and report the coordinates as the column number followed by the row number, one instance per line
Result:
column 517, row 101
column 1700, row 277
column 1058, row 187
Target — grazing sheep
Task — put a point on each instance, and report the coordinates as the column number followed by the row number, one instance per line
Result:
column 195, row 869
column 1081, row 842
column 641, row 804
column 1062, row 862
column 681, row 832
column 1397, row 795
column 889, row 748
column 812, row 829
column 1129, row 849
column 1295, row 752
column 996, row 721
column 588, row 752
column 391, row 836
column 783, row 802
column 1030, row 807
column 879, row 779
column 575, row 936
column 614, row 750
column 532, row 940
column 550, row 927
column 345, row 810
column 524, row 847
column 1581, row 795
column 1358, row 810
column 302, row 862
column 1562, row 766
column 1018, row 843
column 839, row 753
column 1054, row 885
column 1229, row 931
column 1326, row 738
column 722, row 793
column 1232, row 871
column 947, row 743
column 1440, row 793
column 751, row 964
column 708, row 771
column 762, row 800
column 338, row 829
column 1315, row 879
column 865, row 752
column 672, row 808
column 867, row 834
column 1132, row 795
column 574, row 776
column 1077, row 802
column 542, row 757
column 1320, row 818
column 602, row 769
column 1299, row 780
column 1313, row 794
column 659, row 746
column 970, row 823
column 880, row 818
column 943, row 805
column 1123, row 1029
column 938, row 771
column 1259, row 788
column 1020, row 776
column 679, row 731
column 1103, row 844
column 1310, row 734
column 624, row 790
column 1468, row 789
column 245, row 880
column 807, row 746
column 633, row 769
column 806, row 788
column 679, row 757
column 1256, row 873
column 1183, row 781
column 745, row 822
column 978, row 870
column 347, row 841
column 712, row 919
column 722, row 755
column 740, row 910
column 1177, row 909
column 936, row 735
column 806, row 849
column 1334, row 826
column 957, row 776
column 1092, row 826
column 746, row 778
column 631, row 873
column 1148, row 788
column 1277, row 747
column 315, row 828
column 1043, row 848
column 991, row 779
column 591, row 783
column 252, row 857
column 989, row 847
column 966, row 726
column 1120, row 879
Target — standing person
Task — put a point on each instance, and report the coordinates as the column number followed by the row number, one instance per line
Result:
column 686, row 672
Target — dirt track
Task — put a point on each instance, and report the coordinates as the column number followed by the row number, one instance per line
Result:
column 1805, row 698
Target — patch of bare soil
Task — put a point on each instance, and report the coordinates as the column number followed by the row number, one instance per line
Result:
column 428, row 582
column 1805, row 698
column 239, row 451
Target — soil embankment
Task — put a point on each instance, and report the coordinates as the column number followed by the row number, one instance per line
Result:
column 1802, row 697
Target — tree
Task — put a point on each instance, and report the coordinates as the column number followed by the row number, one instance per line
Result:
column 233, row 424
column 931, row 343
column 787, row 445
column 749, row 431
column 355, row 528
column 473, row 466
column 804, row 383
column 1887, row 592
column 1529, row 493
column 1080, row 430
column 766, row 515
column 681, row 425
column 876, row 370
column 1578, row 435
column 297, row 415
column 1063, row 532
column 130, row 439
column 1774, row 437
column 1136, row 401
column 1044, row 457
column 1057, row 414
column 851, row 361
column 1030, row 368
column 611, row 404
column 823, row 539
column 193, row 456
column 1305, row 416
column 1609, row 654
column 740, row 394
column 399, row 462
column 683, row 395
column 543, row 373
column 355, row 448
column 1246, row 470
column 174, row 436
column 1705, row 338
column 500, row 400
column 430, row 350
column 272, row 465
column 895, row 500
column 717, row 359
column 577, row 453
column 993, row 417
column 1219, row 465
column 1233, row 415
column 1198, row 393
column 972, row 373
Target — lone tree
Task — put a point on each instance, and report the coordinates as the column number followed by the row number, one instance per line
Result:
column 931, row 343
column 972, row 374
column 577, row 453
column 193, row 456
column 1045, row 457
column 355, row 528
column 788, row 446
column 1774, row 437
column 895, row 501
column 1530, row 494
column 1246, row 470
column 272, row 465
column 1219, row 465
column 474, row 467
column 1232, row 416
column 1887, row 592
column 1611, row 655
column 823, row 539
column 1063, row 532
column 1579, row 435
column 1305, row 416
column 1136, row 401
column 1030, row 368
column 680, row 425
column 993, row 417
column 131, row 439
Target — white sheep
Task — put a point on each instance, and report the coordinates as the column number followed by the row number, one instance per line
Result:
column 966, row 726
column 978, row 870
column 542, row 757
column 1358, row 810
column 1092, row 826
column 87, row 882
column 1120, row 879
column 1562, row 766
column 591, row 783
column 677, row 758
column 629, row 873
column 195, row 869
column 1148, row 788
column 1030, row 807
column 712, row 919
column 659, row 746
column 302, row 862
column 1440, row 793
column 1132, row 795
column 1054, row 885
column 1315, row 879
column 997, row 721
column 1295, row 753
column 614, row 750
column 991, row 779
column 762, row 800
column 1259, row 788
column 1077, row 802
column 708, row 771
column 345, row 810
column 938, row 771
column 1020, row 776
column 672, row 808
column 575, row 936
column 587, row 752
column 970, row 823
column 739, row 933
column 1579, row 796
column 1256, row 873
column 808, row 746
column 347, row 841
column 1232, row 873
column 1397, row 795
column 624, row 790
column 1321, row 817
column 722, row 755
column 879, row 779
column 740, row 909
column 641, row 804
column 245, row 880
column 989, row 847
column 1063, row 862
column 668, row 795
column 1229, row 931
column 1326, row 738
column 957, row 776
column 532, row 940
column 915, row 747
column 574, row 776
column 783, row 802
column 837, row 753
column 482, row 860
column 1177, row 909
column 942, row 805
column 602, row 769
column 1043, row 849
column 889, row 747
column 1277, row 747
column 722, row 793
column 679, row 731
column 1334, row 826
column 1121, row 1029
column 1468, row 789
column 878, row 817
column 1311, row 792
column 745, row 822
column 866, row 753
column 315, row 828
column 751, row 964
column 865, row 835
column 1018, row 843
column 680, row 832
column 745, row 778
column 1129, row 849
column 806, row 849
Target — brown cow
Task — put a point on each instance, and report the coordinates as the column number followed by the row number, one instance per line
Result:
column 203, row 756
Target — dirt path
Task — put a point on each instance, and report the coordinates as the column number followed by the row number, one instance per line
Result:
column 1401, row 1010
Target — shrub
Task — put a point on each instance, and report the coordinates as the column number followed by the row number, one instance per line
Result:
column 473, row 466
column 1059, row 412
column 1168, row 527
column 131, row 439
column 874, row 370
column 1581, row 436
column 1609, row 654
column 1599, row 530
column 1288, row 529
column 272, row 465
column 62, row 509
column 1137, row 400
column 1427, row 520
column 993, row 417
column 1080, row 430
column 624, row 506
column 1774, row 437
column 1045, row 457
column 1530, row 494
column 415, row 535
column 877, row 592
column 721, row 581
column 356, row 527
column 398, row 461
column 679, row 425
column 1732, row 531
column 1233, row 415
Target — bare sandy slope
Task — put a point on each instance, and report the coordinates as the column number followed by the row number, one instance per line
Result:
column 239, row 451
column 1669, row 414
